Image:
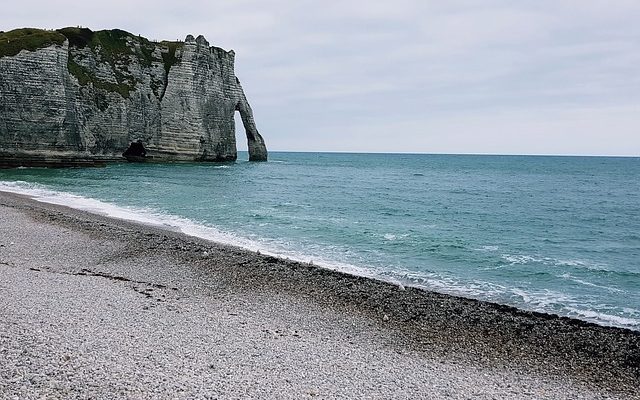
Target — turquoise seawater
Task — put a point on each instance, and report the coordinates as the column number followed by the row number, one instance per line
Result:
column 552, row 234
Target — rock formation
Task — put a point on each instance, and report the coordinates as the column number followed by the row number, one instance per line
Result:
column 77, row 97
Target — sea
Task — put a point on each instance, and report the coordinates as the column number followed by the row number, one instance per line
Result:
column 558, row 235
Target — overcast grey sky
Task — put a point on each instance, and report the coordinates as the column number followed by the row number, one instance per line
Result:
column 465, row 76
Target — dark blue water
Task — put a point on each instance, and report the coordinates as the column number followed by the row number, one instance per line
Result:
column 553, row 234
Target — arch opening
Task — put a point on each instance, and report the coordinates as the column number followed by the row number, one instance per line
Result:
column 255, row 143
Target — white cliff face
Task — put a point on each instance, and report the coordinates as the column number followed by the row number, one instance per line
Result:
column 76, row 104
column 35, row 111
column 199, row 102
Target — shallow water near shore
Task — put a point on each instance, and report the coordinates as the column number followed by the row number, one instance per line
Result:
column 551, row 234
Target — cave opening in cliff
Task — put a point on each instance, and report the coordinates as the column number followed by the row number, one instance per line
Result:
column 135, row 152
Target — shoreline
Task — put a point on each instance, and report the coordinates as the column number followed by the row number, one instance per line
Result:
column 209, row 234
column 428, row 325
column 349, row 270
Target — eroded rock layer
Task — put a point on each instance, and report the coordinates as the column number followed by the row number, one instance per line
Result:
column 77, row 97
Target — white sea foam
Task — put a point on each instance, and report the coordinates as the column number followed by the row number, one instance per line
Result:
column 534, row 300
column 543, row 300
column 488, row 248
column 447, row 284
column 571, row 263
column 583, row 282
column 603, row 318
column 394, row 236
column 561, row 303
column 521, row 259
column 631, row 311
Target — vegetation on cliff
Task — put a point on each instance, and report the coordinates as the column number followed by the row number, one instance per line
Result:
column 116, row 47
column 112, row 47
column 169, row 57
column 31, row 39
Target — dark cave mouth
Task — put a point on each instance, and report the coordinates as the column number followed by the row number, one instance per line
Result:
column 135, row 152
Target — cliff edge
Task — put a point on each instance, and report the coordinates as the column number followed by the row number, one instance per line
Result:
column 77, row 97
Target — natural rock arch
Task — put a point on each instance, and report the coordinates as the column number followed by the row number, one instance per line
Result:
column 255, row 143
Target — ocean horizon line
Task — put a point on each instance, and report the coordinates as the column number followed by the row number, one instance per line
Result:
column 448, row 154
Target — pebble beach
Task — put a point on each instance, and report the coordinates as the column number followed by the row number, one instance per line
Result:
column 94, row 307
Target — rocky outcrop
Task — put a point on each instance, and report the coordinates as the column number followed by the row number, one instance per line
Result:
column 77, row 97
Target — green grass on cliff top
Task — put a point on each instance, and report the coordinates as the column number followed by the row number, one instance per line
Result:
column 114, row 46
column 31, row 39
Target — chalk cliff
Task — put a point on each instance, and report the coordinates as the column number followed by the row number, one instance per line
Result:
column 77, row 97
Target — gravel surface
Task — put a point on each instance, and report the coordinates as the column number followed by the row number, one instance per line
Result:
column 92, row 307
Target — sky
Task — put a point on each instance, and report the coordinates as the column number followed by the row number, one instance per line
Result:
column 416, row 76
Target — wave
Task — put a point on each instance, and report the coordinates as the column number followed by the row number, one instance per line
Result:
column 577, row 266
column 564, row 304
column 603, row 318
column 546, row 301
column 515, row 259
column 488, row 248
column 586, row 283
column 521, row 259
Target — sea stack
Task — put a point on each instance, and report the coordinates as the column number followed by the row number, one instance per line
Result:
column 74, row 97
